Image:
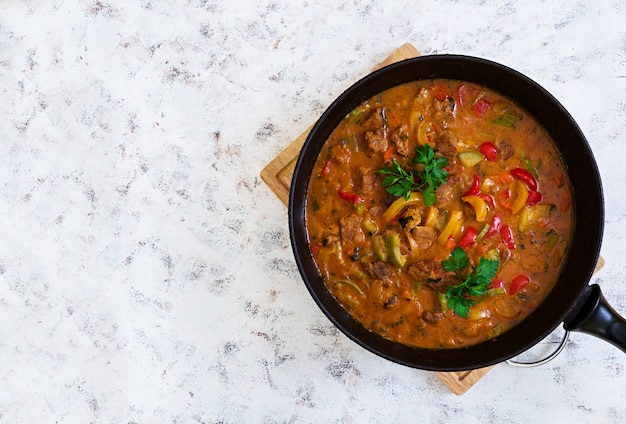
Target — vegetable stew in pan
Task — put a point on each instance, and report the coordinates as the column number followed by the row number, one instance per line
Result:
column 439, row 214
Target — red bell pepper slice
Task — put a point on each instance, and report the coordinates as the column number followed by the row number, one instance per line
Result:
column 439, row 92
column 464, row 94
column 534, row 197
column 460, row 95
column 507, row 236
column 326, row 169
column 353, row 198
column 488, row 149
column 488, row 198
column 480, row 107
column 474, row 187
column 497, row 283
column 526, row 177
column 518, row 283
column 468, row 238
column 495, row 226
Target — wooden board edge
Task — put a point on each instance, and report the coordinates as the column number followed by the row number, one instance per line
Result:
column 460, row 382
column 405, row 51
column 599, row 264
column 270, row 174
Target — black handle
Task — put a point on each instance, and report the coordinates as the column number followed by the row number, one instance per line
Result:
column 598, row 318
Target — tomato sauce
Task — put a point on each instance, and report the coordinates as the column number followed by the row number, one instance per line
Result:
column 386, row 227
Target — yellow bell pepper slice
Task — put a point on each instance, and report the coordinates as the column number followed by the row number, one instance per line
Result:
column 422, row 137
column 520, row 193
column 478, row 313
column 479, row 205
column 485, row 186
column 415, row 116
column 452, row 228
column 431, row 217
column 399, row 204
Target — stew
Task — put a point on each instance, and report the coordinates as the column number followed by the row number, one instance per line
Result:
column 439, row 214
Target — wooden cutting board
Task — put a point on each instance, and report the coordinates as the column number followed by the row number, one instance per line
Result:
column 278, row 173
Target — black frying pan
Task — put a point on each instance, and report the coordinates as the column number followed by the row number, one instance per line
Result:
column 579, row 306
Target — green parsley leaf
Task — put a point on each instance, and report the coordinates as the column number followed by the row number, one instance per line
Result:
column 433, row 174
column 487, row 269
column 458, row 261
column 429, row 196
column 401, row 183
column 398, row 182
column 461, row 305
column 460, row 296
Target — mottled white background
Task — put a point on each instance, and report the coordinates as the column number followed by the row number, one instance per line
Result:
column 146, row 274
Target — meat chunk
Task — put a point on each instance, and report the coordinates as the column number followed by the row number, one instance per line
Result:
column 391, row 302
column 331, row 235
column 376, row 140
column 431, row 273
column 367, row 180
column 505, row 149
column 448, row 191
column 340, row 154
column 443, row 111
column 411, row 218
column 445, row 144
column 422, row 102
column 424, row 237
column 376, row 119
column 432, row 317
column 350, row 229
column 400, row 138
column 377, row 270
column 376, row 210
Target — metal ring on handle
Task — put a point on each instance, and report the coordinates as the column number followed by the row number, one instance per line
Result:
column 541, row 361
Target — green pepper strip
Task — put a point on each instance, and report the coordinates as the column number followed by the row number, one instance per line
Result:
column 513, row 116
column 350, row 284
column 498, row 291
column 370, row 226
column 552, row 240
column 528, row 165
column 393, row 248
column 355, row 113
column 378, row 245
column 495, row 331
column 443, row 301
column 501, row 120
column 482, row 233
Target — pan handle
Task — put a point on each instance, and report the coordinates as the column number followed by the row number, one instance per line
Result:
column 598, row 318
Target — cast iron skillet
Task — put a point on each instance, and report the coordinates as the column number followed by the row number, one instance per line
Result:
column 579, row 306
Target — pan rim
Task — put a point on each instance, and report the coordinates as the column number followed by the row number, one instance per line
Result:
column 578, row 267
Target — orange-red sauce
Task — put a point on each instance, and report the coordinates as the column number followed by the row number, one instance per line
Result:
column 348, row 213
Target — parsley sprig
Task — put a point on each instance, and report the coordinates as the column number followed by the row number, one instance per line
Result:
column 398, row 182
column 474, row 284
column 425, row 179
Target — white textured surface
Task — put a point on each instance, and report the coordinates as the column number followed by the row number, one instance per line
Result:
column 145, row 269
